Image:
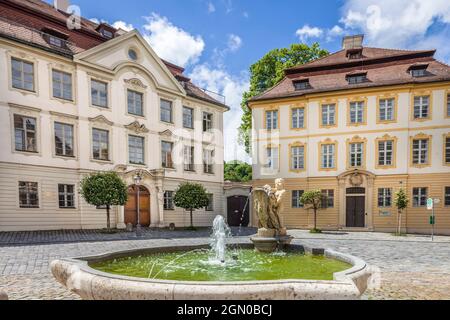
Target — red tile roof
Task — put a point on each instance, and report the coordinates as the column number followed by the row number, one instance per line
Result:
column 26, row 20
column 384, row 67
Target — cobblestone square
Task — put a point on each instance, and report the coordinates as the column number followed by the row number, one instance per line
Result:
column 411, row 267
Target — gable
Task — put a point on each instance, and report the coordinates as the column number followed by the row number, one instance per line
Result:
column 113, row 57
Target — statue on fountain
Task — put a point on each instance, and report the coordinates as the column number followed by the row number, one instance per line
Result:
column 268, row 205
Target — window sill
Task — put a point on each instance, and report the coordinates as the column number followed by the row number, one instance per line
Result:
column 27, row 152
column 29, row 207
column 68, row 208
column 106, row 108
column 136, row 115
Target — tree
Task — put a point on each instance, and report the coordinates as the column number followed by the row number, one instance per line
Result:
column 238, row 171
column 401, row 203
column 313, row 200
column 269, row 71
column 191, row 196
column 104, row 189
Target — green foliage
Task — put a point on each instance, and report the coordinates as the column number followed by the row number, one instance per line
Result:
column 401, row 200
column 312, row 199
column 238, row 171
column 191, row 196
column 269, row 71
column 104, row 189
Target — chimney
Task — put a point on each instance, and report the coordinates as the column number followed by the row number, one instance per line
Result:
column 353, row 42
column 61, row 5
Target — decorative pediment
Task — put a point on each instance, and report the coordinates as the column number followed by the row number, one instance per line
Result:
column 137, row 127
column 120, row 168
column 357, row 139
column 135, row 82
column 101, row 119
column 166, row 133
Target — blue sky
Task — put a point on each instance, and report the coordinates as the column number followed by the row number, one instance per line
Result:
column 217, row 40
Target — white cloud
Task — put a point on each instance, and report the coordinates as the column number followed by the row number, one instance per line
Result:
column 232, row 87
column 234, row 42
column 401, row 23
column 94, row 20
column 171, row 42
column 211, row 7
column 307, row 32
column 123, row 25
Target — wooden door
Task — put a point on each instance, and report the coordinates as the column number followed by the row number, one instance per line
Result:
column 356, row 212
column 144, row 206
column 238, row 211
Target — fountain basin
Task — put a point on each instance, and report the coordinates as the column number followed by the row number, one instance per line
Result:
column 79, row 277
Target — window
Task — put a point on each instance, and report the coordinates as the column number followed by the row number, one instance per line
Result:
column 447, row 196
column 302, row 85
column 356, row 154
column 188, row 118
column 168, row 200
column 208, row 161
column 328, row 156
column 207, row 121
column 132, row 54
column 420, row 151
column 296, row 196
column 357, row 112
column 419, row 72
column 25, row 133
column 272, row 158
column 166, row 153
column 22, row 74
column 210, row 206
column 421, row 107
column 100, row 144
column 298, row 158
column 384, row 198
column 386, row 109
column 420, row 196
column 447, row 150
column 355, row 79
column 136, row 149
column 64, row 140
column 54, row 41
column 135, row 103
column 189, row 158
column 328, row 115
column 166, row 111
column 385, row 153
column 106, row 33
column 99, row 94
column 66, row 196
column 298, row 118
column 272, row 120
column 448, row 105
column 62, row 85
column 328, row 199
column 28, row 195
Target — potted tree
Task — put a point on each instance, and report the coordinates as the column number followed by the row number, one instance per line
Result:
column 104, row 189
column 401, row 203
column 313, row 200
column 191, row 196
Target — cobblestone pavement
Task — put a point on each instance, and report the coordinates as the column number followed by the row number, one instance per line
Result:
column 411, row 267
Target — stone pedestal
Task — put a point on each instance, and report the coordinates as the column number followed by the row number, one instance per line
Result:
column 269, row 240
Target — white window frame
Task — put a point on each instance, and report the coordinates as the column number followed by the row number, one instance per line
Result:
column 61, row 84
column 65, row 194
column 420, row 107
column 419, row 199
column 64, row 139
column 295, row 199
column 100, row 143
column 272, row 120
column 328, row 156
column 189, row 156
column 386, row 108
column 356, row 153
column 298, row 118
column 298, row 157
column 357, row 112
column 384, row 199
column 420, row 159
column 385, row 154
column 134, row 149
column 328, row 114
column 23, row 75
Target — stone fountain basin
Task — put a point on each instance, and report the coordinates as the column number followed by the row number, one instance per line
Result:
column 90, row 284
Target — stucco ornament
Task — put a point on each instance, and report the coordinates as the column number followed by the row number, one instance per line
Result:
column 268, row 204
column 356, row 180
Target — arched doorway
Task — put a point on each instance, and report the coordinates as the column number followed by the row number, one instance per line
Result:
column 238, row 211
column 144, row 206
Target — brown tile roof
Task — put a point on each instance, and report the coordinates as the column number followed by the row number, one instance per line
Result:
column 384, row 67
column 25, row 20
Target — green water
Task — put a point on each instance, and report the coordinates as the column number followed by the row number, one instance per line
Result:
column 240, row 265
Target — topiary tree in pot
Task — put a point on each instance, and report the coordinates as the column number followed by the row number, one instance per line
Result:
column 191, row 196
column 313, row 200
column 104, row 189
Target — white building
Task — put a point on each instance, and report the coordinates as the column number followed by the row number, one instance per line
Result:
column 73, row 102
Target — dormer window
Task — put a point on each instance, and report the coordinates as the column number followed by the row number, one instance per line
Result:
column 302, row 84
column 354, row 53
column 54, row 37
column 106, row 30
column 357, row 78
column 106, row 33
column 418, row 70
column 54, row 41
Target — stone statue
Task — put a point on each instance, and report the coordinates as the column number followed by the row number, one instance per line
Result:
column 268, row 205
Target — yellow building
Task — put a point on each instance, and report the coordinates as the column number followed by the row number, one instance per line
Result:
column 359, row 125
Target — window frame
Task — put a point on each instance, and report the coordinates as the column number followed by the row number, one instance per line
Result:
column 22, row 77
column 189, row 158
column 210, row 206
column 326, row 198
column 328, row 124
column 272, row 120
column 421, row 197
column 65, row 194
column 171, row 104
column 446, row 201
column 107, row 89
column 421, row 93
column 25, row 132
column 322, row 144
column 208, row 167
column 133, row 136
column 296, row 195
column 384, row 197
column 301, row 155
column 28, row 198
column 363, row 102
column 100, row 144
column 350, row 142
column 421, row 137
column 270, row 158
column 446, row 149
column 207, row 124
column 298, row 117
column 133, row 112
column 63, row 124
column 192, row 117
column 386, row 138
column 62, row 84
column 394, row 100
column 172, row 165
column 168, row 203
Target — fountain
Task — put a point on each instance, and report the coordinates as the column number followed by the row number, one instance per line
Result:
column 220, row 270
column 268, row 204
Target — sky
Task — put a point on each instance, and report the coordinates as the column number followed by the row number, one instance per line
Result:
column 218, row 40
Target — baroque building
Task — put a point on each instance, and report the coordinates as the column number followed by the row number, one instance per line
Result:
column 77, row 100
column 359, row 125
